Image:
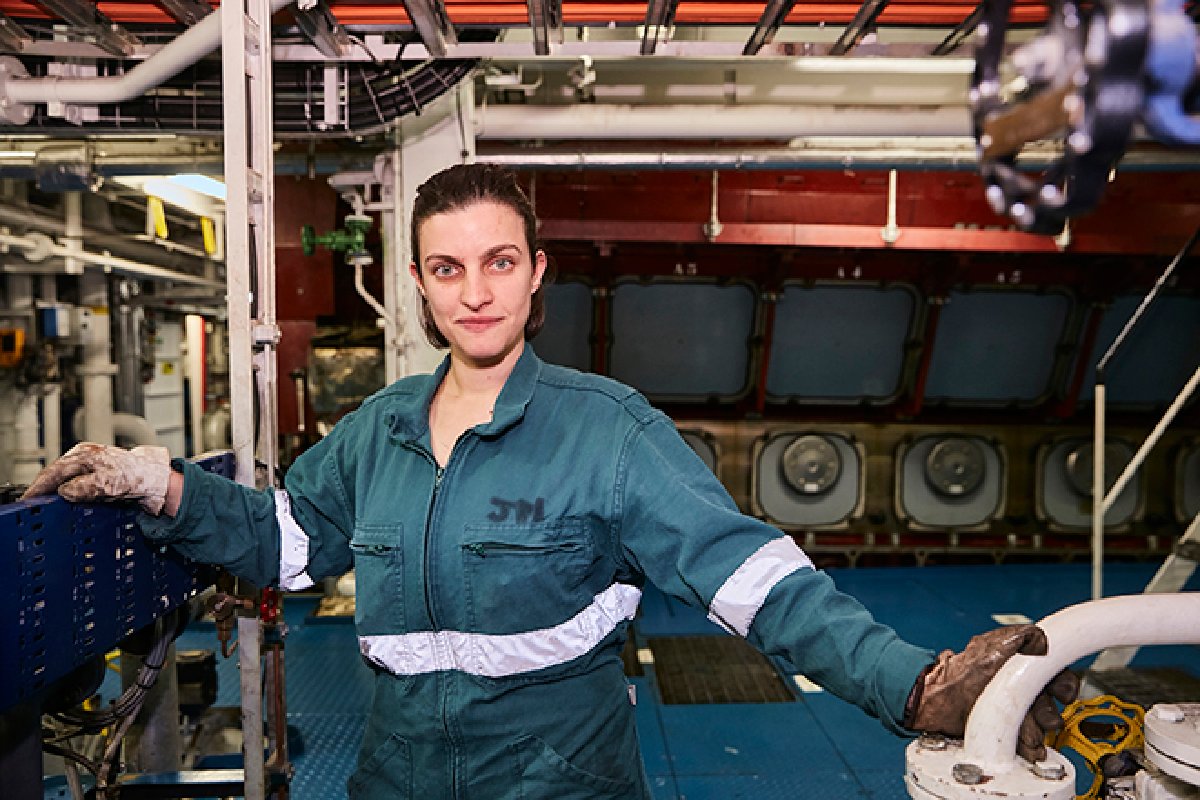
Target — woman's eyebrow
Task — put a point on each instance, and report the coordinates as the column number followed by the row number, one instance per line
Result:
column 442, row 257
column 500, row 248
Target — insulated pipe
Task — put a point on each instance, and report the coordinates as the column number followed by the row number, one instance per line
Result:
column 713, row 122
column 97, row 368
column 28, row 219
column 26, row 452
column 128, row 426
column 39, row 246
column 1074, row 632
column 180, row 53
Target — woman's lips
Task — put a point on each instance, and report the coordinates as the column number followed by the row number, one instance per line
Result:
column 478, row 324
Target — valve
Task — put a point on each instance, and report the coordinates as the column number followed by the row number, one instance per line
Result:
column 1099, row 729
column 352, row 240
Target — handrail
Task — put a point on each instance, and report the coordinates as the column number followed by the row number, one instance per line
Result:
column 1102, row 501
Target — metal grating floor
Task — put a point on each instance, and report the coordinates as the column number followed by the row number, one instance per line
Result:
column 700, row 670
column 1145, row 687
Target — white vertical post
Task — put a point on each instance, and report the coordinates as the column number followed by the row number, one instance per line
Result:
column 397, row 327
column 253, row 334
column 444, row 134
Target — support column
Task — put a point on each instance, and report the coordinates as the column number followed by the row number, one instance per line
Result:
column 443, row 135
column 253, row 334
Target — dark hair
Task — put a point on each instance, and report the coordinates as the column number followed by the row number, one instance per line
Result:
column 467, row 184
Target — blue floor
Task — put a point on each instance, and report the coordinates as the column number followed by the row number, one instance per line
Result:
column 817, row 747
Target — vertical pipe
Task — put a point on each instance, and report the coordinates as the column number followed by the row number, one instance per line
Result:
column 194, row 333
column 26, row 449
column 97, row 369
column 1098, row 497
column 52, row 396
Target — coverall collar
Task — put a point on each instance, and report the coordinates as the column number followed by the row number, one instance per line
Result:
column 410, row 420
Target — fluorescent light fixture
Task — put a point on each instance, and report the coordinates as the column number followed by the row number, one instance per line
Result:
column 18, row 153
column 200, row 183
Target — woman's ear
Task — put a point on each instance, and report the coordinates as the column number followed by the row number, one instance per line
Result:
column 539, row 269
column 416, row 273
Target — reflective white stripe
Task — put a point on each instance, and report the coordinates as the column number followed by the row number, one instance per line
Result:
column 741, row 596
column 293, row 546
column 499, row 655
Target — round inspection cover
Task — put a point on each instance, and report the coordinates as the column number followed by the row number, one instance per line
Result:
column 811, row 464
column 955, row 466
column 1080, row 464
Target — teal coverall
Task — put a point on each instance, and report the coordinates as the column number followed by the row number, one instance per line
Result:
column 493, row 595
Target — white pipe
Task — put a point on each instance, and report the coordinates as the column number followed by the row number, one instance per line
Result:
column 97, row 368
column 176, row 56
column 193, row 327
column 1074, row 632
column 711, row 121
column 40, row 246
column 26, row 450
column 128, row 426
column 380, row 311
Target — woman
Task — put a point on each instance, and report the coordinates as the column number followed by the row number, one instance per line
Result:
column 501, row 516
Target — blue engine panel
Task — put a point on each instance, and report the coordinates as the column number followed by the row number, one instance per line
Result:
column 76, row 579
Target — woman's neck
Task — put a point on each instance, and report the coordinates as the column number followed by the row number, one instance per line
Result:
column 472, row 382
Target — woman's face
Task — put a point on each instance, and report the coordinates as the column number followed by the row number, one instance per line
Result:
column 478, row 276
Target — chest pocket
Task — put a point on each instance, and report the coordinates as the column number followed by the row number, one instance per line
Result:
column 379, row 579
column 521, row 578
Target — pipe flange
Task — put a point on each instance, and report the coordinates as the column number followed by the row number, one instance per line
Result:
column 12, row 112
column 945, row 774
column 1173, row 740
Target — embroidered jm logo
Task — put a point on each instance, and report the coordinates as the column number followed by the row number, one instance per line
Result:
column 522, row 510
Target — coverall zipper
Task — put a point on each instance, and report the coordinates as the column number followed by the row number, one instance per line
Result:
column 437, row 485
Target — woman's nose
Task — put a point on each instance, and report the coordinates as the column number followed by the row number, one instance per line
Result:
column 475, row 289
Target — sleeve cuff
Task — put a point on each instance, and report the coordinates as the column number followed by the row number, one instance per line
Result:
column 195, row 491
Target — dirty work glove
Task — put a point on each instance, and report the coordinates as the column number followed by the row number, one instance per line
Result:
column 944, row 693
column 104, row 472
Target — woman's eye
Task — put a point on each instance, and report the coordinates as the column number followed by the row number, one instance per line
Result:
column 442, row 270
column 503, row 263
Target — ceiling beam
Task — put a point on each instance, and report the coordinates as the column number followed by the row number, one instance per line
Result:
column 772, row 18
column 87, row 20
column 960, row 34
column 660, row 15
column 186, row 12
column 545, row 20
column 433, row 25
column 13, row 37
column 322, row 28
column 862, row 24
